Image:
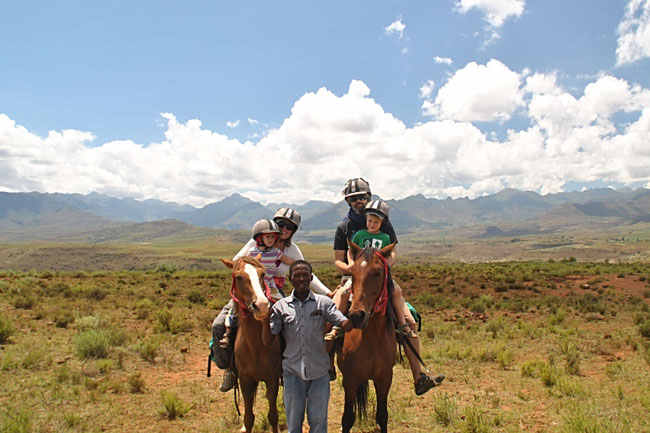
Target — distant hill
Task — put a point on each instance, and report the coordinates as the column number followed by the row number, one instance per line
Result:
column 103, row 219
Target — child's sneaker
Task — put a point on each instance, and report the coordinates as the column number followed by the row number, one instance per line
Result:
column 427, row 382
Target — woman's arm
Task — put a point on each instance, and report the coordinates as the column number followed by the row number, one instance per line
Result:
column 286, row 259
column 294, row 252
column 245, row 249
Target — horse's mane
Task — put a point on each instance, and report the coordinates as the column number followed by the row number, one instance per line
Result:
column 367, row 253
column 251, row 260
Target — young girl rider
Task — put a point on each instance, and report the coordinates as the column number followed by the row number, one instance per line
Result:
column 265, row 233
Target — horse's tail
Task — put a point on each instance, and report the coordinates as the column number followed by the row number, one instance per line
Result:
column 361, row 400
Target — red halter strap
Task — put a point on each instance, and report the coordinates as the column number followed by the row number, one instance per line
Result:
column 382, row 302
column 243, row 307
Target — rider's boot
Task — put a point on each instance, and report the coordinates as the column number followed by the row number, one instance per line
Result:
column 229, row 380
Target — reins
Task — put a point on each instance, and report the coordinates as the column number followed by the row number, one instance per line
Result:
column 382, row 300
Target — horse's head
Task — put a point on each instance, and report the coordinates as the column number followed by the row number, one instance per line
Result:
column 248, row 285
column 368, row 274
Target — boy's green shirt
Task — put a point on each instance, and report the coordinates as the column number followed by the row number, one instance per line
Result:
column 375, row 240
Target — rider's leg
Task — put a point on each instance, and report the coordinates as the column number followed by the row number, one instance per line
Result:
column 415, row 341
column 342, row 295
column 341, row 299
column 218, row 330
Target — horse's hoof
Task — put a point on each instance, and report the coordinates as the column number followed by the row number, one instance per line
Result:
column 242, row 429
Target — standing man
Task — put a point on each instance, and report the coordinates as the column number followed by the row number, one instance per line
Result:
column 301, row 319
column 357, row 193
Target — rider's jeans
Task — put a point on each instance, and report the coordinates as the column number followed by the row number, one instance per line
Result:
column 312, row 394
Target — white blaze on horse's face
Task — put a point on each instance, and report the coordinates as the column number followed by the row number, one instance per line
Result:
column 364, row 264
column 260, row 299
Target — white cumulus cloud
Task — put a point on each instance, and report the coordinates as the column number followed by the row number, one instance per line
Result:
column 443, row 60
column 634, row 33
column 478, row 93
column 396, row 27
column 495, row 12
column 426, row 89
column 232, row 124
column 329, row 138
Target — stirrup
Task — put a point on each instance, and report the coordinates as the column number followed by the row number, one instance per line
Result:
column 405, row 331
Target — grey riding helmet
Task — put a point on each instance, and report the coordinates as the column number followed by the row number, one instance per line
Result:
column 288, row 214
column 262, row 227
column 356, row 186
column 379, row 208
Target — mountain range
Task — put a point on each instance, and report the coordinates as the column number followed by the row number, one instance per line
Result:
column 38, row 216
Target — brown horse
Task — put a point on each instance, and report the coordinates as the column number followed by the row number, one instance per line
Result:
column 370, row 350
column 257, row 355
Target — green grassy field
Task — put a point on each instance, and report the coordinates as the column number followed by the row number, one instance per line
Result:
column 560, row 346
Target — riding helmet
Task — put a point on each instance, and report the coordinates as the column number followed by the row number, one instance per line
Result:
column 264, row 226
column 288, row 214
column 379, row 208
column 356, row 186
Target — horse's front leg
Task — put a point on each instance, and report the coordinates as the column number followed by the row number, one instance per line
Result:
column 382, row 386
column 248, row 388
column 348, row 412
column 272, row 387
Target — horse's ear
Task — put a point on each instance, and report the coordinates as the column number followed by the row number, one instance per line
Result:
column 386, row 251
column 354, row 248
column 228, row 263
column 258, row 257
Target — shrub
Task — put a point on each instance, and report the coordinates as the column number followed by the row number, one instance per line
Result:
column 476, row 422
column 495, row 326
column 557, row 318
column 6, row 329
column 26, row 302
column 569, row 387
column 90, row 322
column 97, row 294
column 92, row 344
column 173, row 406
column 505, row 358
column 644, row 328
column 445, row 410
column 63, row 319
column 136, row 383
column 532, row 368
column 169, row 322
column 148, row 350
column 550, row 374
column 196, row 297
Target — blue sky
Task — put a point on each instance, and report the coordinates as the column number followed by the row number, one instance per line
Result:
column 284, row 101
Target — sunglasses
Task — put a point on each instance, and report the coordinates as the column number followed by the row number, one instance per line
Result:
column 286, row 225
column 356, row 198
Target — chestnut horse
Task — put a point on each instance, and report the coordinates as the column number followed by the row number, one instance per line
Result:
column 370, row 350
column 257, row 355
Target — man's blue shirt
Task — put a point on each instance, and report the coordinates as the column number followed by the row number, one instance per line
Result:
column 303, row 326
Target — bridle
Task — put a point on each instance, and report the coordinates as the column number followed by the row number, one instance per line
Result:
column 382, row 301
column 245, row 308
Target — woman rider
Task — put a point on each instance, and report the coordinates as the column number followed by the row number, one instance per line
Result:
column 288, row 220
